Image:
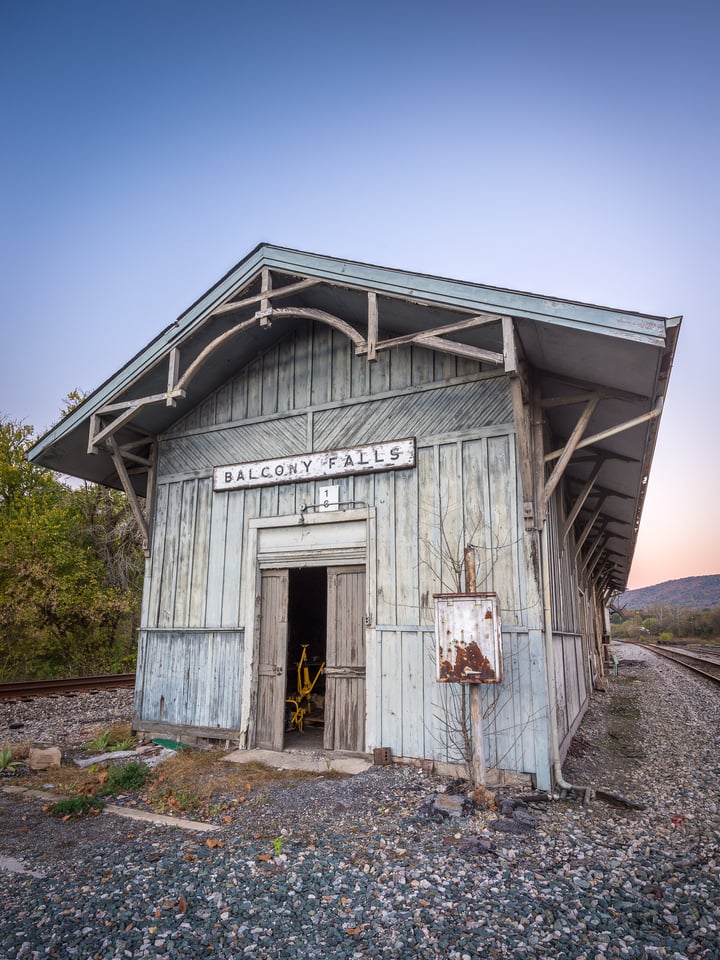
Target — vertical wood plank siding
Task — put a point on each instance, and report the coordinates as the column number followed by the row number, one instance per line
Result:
column 196, row 670
column 313, row 392
column 571, row 646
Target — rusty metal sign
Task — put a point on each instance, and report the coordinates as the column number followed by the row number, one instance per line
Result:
column 468, row 638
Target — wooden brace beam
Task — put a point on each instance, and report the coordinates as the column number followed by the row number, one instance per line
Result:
column 372, row 334
column 129, row 491
column 263, row 296
column 568, row 450
column 582, row 497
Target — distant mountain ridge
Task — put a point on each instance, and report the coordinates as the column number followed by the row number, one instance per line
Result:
column 696, row 593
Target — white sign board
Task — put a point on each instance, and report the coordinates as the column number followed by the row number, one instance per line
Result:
column 370, row 458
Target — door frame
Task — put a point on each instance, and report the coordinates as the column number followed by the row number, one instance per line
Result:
column 336, row 538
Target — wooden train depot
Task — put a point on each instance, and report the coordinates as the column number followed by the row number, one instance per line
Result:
column 315, row 448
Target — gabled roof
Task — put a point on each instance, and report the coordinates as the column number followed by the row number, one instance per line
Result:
column 573, row 349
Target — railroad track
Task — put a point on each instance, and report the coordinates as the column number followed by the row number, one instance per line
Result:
column 708, row 666
column 31, row 689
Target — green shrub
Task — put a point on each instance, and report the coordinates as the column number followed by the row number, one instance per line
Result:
column 130, row 776
column 75, row 807
column 7, row 759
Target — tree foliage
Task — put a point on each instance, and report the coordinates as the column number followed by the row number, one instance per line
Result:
column 71, row 569
column 667, row 622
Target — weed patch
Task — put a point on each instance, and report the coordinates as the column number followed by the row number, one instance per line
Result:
column 8, row 760
column 72, row 807
column 123, row 779
column 115, row 738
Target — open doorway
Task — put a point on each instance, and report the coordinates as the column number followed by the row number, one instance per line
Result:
column 306, row 657
column 323, row 610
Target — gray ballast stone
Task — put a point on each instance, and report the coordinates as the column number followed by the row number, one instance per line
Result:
column 365, row 871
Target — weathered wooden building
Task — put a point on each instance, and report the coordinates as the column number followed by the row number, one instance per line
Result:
column 312, row 447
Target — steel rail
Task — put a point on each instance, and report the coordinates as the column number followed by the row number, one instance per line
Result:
column 30, row 689
column 707, row 666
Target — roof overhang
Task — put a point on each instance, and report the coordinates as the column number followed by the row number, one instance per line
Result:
column 573, row 350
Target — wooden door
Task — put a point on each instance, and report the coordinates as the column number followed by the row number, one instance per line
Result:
column 273, row 613
column 345, row 660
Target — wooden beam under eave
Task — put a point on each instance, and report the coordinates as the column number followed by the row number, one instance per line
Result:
column 265, row 295
column 595, row 562
column 372, row 334
column 538, row 446
column 582, row 497
column 150, row 495
column 129, row 491
column 587, row 528
column 265, row 289
column 510, row 354
column 459, row 349
column 521, row 417
column 173, row 371
column 612, row 431
column 422, row 336
column 107, row 432
column 569, row 448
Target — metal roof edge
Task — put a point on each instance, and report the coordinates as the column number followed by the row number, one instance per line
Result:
column 145, row 358
column 471, row 296
column 435, row 290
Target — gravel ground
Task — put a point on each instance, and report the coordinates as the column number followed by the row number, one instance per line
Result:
column 366, row 869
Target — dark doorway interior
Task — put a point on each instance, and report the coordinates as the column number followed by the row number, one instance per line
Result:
column 307, row 627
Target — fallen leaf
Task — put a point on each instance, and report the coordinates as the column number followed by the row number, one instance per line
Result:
column 182, row 905
column 424, row 903
column 227, row 819
column 212, row 843
column 191, row 857
column 353, row 931
column 345, row 901
column 265, row 856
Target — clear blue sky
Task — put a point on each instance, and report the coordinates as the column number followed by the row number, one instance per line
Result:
column 570, row 149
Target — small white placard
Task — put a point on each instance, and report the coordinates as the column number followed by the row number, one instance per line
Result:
column 329, row 498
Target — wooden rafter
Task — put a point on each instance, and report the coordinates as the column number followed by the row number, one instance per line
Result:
column 433, row 338
column 589, row 386
column 372, row 334
column 582, row 497
column 127, row 486
column 521, row 417
column 273, row 294
column 322, row 316
column 612, row 431
column 588, row 527
column 568, row 450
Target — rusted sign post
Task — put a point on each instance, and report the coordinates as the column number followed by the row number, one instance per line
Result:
column 469, row 650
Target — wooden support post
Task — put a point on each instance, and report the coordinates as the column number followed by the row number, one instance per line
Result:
column 584, row 494
column 478, row 761
column 372, row 333
column 173, row 371
column 266, row 287
column 569, row 449
column 129, row 490
column 521, row 418
column 479, row 772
